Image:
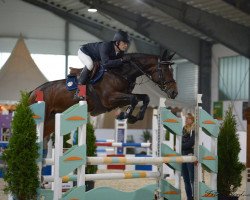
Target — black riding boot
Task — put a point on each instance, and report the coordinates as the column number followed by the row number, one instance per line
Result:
column 82, row 81
column 83, row 76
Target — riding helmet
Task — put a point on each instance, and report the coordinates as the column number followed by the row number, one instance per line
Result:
column 121, row 36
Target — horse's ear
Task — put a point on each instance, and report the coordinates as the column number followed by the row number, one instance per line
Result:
column 171, row 56
column 164, row 55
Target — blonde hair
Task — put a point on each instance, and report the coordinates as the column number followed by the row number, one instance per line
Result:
column 189, row 127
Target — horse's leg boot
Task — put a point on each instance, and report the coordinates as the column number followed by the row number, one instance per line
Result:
column 82, row 81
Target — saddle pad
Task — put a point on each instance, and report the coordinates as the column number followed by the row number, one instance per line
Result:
column 98, row 75
column 71, row 82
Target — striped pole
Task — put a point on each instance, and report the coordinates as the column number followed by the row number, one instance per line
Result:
column 107, row 176
column 139, row 160
column 120, row 144
column 104, row 150
column 133, row 160
column 105, row 140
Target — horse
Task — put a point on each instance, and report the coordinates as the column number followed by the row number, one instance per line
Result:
column 113, row 90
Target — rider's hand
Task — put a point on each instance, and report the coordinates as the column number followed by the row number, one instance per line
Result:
column 125, row 59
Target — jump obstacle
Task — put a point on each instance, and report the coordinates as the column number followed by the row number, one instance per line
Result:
column 75, row 158
column 118, row 144
column 117, row 148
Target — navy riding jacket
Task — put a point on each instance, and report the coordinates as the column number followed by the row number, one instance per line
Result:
column 188, row 140
column 103, row 52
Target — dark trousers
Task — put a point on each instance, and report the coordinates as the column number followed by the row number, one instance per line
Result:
column 188, row 177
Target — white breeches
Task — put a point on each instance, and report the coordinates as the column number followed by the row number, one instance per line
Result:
column 85, row 59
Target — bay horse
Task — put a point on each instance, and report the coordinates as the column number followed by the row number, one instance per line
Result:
column 113, row 90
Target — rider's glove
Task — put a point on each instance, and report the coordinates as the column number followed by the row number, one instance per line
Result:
column 126, row 59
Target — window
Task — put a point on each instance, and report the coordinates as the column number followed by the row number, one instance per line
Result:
column 187, row 82
column 233, row 78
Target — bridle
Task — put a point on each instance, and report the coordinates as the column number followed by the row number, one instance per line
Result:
column 159, row 71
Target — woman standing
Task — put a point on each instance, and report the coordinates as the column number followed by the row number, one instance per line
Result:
column 188, row 140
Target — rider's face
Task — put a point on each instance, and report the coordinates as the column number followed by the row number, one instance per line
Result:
column 123, row 46
column 189, row 120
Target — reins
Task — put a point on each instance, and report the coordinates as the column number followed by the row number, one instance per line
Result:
column 159, row 71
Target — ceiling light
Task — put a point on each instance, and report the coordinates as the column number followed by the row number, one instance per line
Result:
column 93, row 10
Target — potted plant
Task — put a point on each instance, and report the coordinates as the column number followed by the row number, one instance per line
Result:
column 21, row 155
column 130, row 150
column 146, row 136
column 229, row 166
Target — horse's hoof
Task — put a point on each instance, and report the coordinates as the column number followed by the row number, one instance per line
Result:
column 132, row 120
column 121, row 116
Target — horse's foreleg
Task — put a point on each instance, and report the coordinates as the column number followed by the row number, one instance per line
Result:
column 128, row 113
column 145, row 100
column 125, row 99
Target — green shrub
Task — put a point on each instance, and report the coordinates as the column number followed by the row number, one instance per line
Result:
column 21, row 155
column 229, row 166
column 91, row 148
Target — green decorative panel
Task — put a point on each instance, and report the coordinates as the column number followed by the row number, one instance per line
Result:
column 72, row 159
column 39, row 110
column 171, row 122
column 168, row 191
column 209, row 125
column 43, row 194
column 106, row 193
column 73, row 117
column 209, row 160
column 207, row 193
column 166, row 151
column 76, row 193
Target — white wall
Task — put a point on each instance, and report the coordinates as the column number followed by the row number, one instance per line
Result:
column 42, row 30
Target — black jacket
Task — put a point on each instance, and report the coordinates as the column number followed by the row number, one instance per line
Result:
column 103, row 52
column 188, row 140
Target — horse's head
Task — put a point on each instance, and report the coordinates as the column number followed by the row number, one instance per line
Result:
column 158, row 70
column 162, row 74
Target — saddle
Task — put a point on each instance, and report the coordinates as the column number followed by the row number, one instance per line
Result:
column 76, row 71
column 95, row 75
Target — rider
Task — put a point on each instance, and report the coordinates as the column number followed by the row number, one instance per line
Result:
column 108, row 53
